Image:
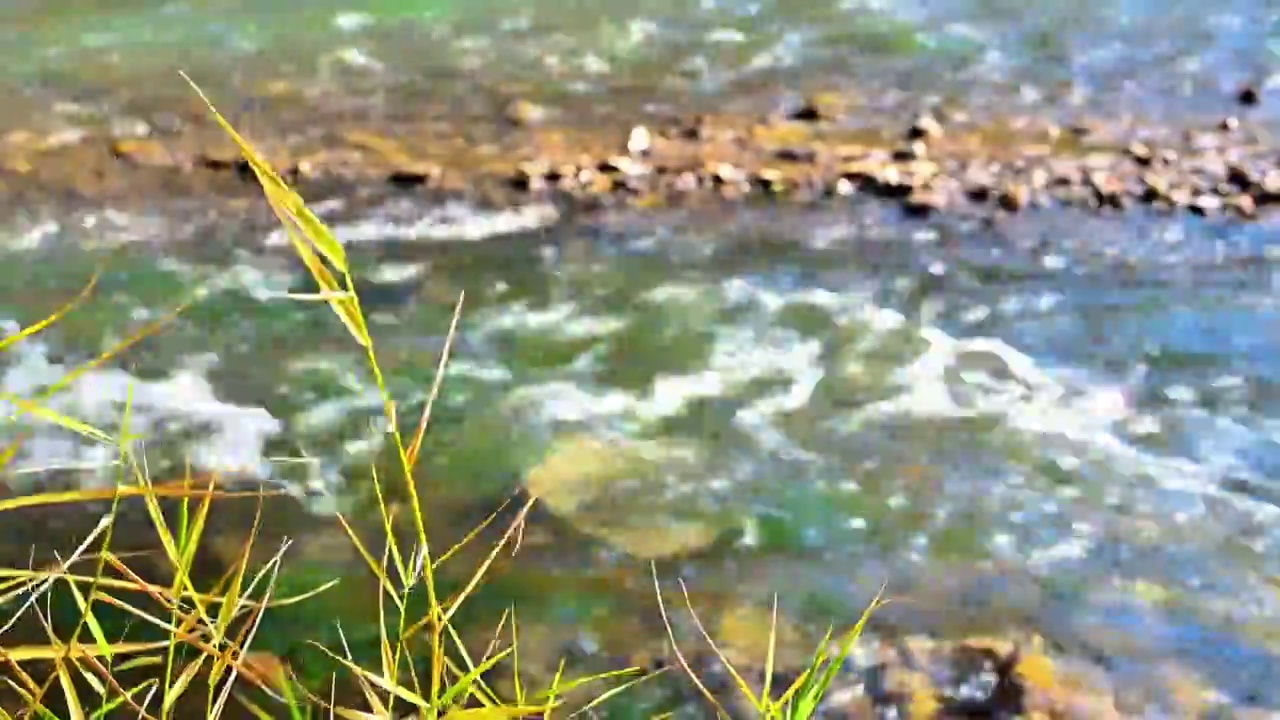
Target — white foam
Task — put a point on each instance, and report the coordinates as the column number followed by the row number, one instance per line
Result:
column 453, row 221
column 227, row 437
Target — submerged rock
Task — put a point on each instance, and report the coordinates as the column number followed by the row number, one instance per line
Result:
column 612, row 490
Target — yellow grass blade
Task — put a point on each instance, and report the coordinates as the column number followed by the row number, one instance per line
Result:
column 609, row 694
column 675, row 647
column 247, row 637
column 472, row 534
column 387, row 685
column 178, row 687
column 493, row 713
column 465, row 683
column 305, row 231
column 88, row 495
column 738, row 680
column 275, row 186
column 488, row 561
column 45, row 653
column 366, row 556
column 40, row 411
column 74, row 710
column 133, row 338
column 766, row 694
column 415, row 445
column 44, row 585
column 57, row 315
column 86, row 613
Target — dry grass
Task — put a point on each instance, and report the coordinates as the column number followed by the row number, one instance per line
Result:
column 206, row 658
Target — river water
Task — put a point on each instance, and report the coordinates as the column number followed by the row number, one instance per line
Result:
column 1062, row 422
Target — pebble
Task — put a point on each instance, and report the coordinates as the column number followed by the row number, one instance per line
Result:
column 794, row 156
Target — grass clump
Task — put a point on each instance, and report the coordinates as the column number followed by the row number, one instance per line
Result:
column 200, row 656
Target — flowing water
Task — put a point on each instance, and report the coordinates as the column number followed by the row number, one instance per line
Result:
column 1061, row 422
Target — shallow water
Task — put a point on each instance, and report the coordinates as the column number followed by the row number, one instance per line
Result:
column 1065, row 423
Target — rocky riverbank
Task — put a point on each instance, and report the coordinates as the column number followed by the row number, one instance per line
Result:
column 823, row 149
column 827, row 149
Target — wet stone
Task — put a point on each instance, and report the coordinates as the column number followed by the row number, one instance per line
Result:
column 1248, row 96
column 1269, row 186
column 1242, row 205
column 1206, row 204
column 1155, row 185
column 522, row 113
column 640, row 140
column 915, row 150
column 816, row 108
column 924, row 127
column 143, row 152
column 1239, row 176
column 1013, row 197
column 923, row 201
column 795, row 156
column 1140, row 153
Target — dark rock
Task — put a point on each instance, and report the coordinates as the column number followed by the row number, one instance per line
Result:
column 796, row 155
column 915, row 150
column 816, row 108
column 1239, row 176
column 924, row 127
column 1013, row 197
column 1248, row 96
column 414, row 175
column 924, row 200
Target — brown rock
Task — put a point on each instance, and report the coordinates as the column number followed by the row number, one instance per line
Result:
column 924, row 127
column 415, row 173
column 1156, row 186
column 686, row 182
column 597, row 184
column 924, row 200
column 221, row 157
column 1140, row 153
column 818, row 107
column 1180, row 196
column 770, row 179
column 1206, row 204
column 860, row 171
column 1082, row 129
column 1109, row 191
column 726, row 173
column 796, row 155
column 148, row 153
column 521, row 112
column 531, row 175
column 914, row 150
column 1242, row 205
column 1013, row 197
column 979, row 183
column 1239, row 175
